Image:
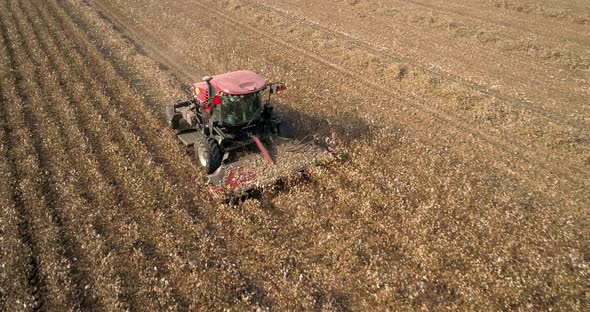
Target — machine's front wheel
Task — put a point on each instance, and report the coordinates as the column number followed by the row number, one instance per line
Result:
column 208, row 154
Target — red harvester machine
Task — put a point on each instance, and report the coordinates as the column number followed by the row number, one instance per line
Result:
column 240, row 142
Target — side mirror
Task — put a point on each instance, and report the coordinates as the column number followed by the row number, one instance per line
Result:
column 216, row 100
column 277, row 87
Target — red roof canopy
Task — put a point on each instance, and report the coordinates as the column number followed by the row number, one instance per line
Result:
column 236, row 83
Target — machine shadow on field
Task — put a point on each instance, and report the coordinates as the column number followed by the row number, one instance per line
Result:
column 346, row 126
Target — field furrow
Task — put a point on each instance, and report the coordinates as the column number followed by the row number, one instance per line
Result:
column 49, row 277
column 459, row 130
column 152, row 257
column 18, row 264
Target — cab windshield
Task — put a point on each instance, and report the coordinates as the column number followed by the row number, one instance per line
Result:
column 238, row 109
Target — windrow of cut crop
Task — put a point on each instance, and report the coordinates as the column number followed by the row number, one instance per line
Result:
column 66, row 204
column 554, row 11
column 49, row 278
column 73, row 173
column 128, row 128
column 147, row 273
column 18, row 264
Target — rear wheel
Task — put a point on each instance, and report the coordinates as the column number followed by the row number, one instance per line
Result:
column 284, row 129
column 208, row 155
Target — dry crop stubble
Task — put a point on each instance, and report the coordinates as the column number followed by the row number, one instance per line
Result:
column 410, row 224
column 145, row 227
column 48, row 271
column 237, row 53
column 15, row 250
column 71, row 210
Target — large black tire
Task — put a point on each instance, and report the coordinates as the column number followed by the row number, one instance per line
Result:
column 208, row 155
column 284, row 129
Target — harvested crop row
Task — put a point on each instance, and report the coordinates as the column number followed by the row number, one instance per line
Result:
column 76, row 175
column 49, row 274
column 60, row 188
column 147, row 275
column 15, row 251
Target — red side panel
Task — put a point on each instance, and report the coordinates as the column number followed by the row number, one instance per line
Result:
column 200, row 91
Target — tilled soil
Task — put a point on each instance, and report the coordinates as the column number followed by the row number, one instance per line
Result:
column 460, row 132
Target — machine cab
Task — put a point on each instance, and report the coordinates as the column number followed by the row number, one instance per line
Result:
column 236, row 97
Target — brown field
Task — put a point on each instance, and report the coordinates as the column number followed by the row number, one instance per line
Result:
column 461, row 131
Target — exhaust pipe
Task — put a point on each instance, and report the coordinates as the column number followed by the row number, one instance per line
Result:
column 206, row 120
column 208, row 79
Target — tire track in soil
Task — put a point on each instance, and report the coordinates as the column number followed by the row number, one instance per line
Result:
column 461, row 11
column 246, row 282
column 522, row 103
column 500, row 143
column 555, row 116
column 515, row 151
column 546, row 10
column 83, row 295
column 34, row 280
